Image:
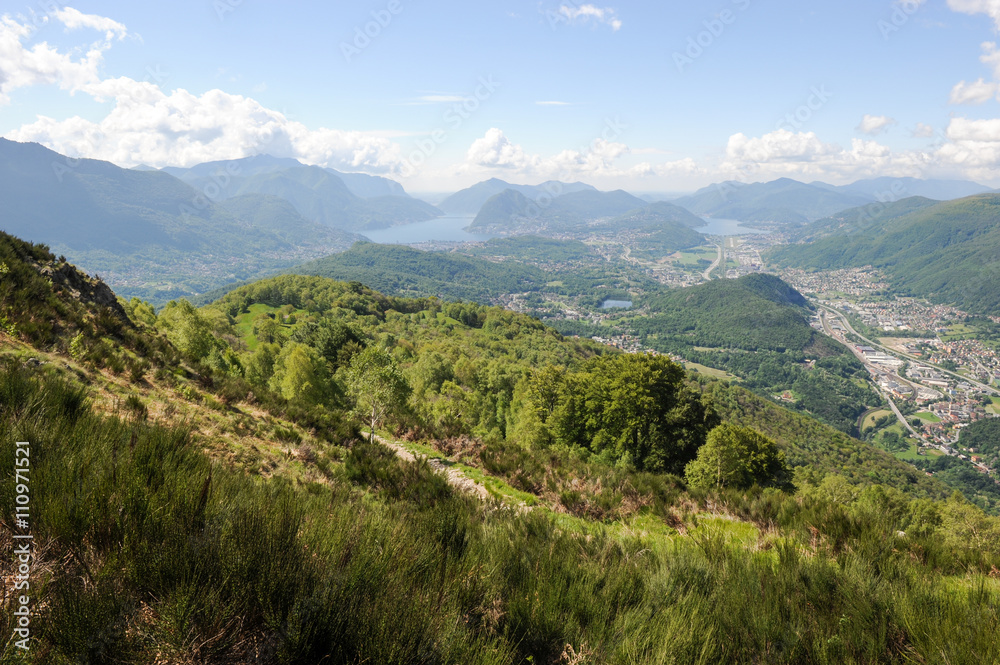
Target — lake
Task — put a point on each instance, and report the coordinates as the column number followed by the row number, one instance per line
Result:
column 441, row 229
column 726, row 227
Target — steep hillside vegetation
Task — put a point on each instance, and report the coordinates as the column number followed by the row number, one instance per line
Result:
column 756, row 328
column 189, row 523
column 946, row 252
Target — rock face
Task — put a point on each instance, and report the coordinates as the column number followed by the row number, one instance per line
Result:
column 82, row 288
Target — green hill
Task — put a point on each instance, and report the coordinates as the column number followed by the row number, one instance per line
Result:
column 470, row 201
column 655, row 214
column 946, row 252
column 223, row 508
column 755, row 327
column 756, row 312
column 400, row 270
column 861, row 219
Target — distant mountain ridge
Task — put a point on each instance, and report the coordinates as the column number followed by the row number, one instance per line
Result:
column 783, row 201
column 658, row 213
column 787, row 201
column 893, row 189
column 360, row 184
column 148, row 233
column 470, row 201
column 348, row 201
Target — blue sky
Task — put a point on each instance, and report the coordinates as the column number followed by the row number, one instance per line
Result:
column 646, row 96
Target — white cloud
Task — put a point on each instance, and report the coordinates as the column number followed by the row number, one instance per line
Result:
column 42, row 64
column 74, row 19
column 148, row 125
column 976, row 92
column 783, row 153
column 778, row 146
column 974, row 147
column 601, row 160
column 585, row 13
column 923, row 131
column 873, row 125
column 989, row 7
column 496, row 151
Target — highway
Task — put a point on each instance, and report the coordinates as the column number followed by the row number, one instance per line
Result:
column 885, row 395
column 847, row 324
column 708, row 273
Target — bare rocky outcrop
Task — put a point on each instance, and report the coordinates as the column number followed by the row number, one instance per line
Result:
column 81, row 287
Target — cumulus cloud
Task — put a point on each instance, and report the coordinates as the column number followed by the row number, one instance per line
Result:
column 41, row 65
column 923, row 131
column 976, row 92
column 980, row 91
column 74, row 19
column 148, row 125
column 805, row 155
column 586, row 13
column 496, row 151
column 873, row 125
column 989, row 7
column 601, row 159
column 973, row 146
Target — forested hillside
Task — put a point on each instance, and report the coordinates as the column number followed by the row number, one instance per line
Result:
column 946, row 252
column 182, row 510
column 756, row 328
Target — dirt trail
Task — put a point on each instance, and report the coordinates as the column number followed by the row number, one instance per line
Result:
column 455, row 478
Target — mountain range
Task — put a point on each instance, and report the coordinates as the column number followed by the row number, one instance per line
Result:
column 470, row 201
column 348, row 201
column 360, row 184
column 786, row 201
column 147, row 232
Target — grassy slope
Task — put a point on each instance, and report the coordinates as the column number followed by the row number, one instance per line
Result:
column 149, row 552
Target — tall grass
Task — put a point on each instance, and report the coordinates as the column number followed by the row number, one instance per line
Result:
column 150, row 553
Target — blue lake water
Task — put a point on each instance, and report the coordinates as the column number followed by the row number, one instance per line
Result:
column 442, row 229
column 726, row 227
column 617, row 304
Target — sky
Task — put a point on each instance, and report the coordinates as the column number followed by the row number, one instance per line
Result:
column 666, row 96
